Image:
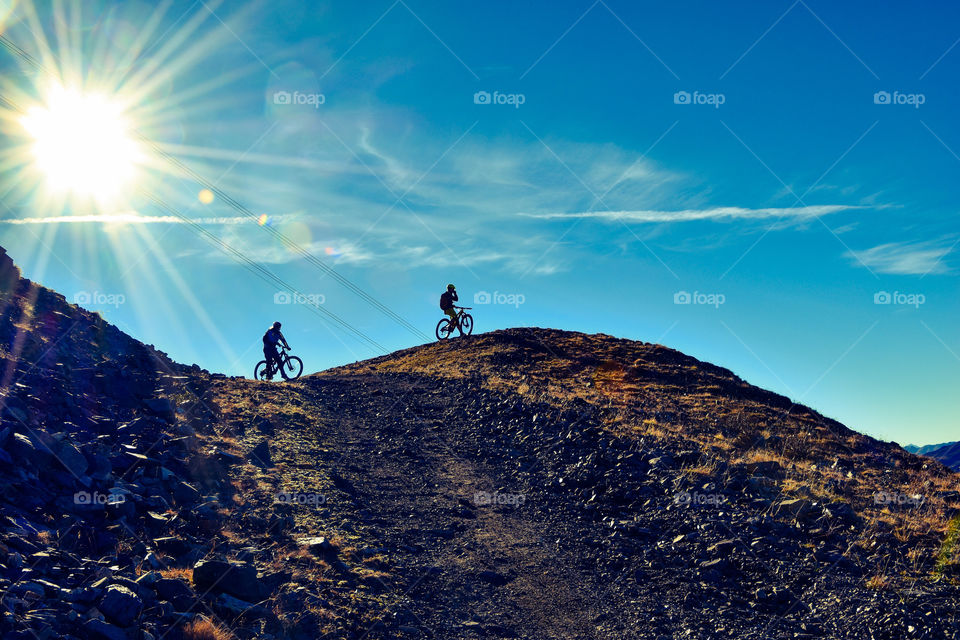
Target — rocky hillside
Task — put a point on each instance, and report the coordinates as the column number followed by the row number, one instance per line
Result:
column 526, row 483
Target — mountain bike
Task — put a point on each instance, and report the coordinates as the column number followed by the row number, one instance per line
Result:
column 292, row 365
column 447, row 326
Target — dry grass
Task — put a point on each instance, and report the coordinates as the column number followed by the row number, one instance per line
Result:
column 183, row 573
column 204, row 629
column 650, row 392
column 760, row 455
column 878, row 583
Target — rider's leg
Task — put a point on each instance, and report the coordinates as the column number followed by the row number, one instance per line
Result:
column 276, row 364
column 453, row 320
column 269, row 358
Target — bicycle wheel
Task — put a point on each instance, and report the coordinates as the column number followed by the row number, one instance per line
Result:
column 260, row 371
column 294, row 367
column 443, row 330
column 466, row 323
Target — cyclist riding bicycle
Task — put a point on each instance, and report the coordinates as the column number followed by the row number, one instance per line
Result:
column 271, row 339
column 446, row 304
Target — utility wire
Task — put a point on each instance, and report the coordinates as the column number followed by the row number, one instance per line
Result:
column 290, row 244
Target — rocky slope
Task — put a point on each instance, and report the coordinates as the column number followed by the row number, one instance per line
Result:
column 525, row 483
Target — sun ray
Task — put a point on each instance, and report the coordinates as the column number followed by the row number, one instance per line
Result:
column 187, row 294
column 139, row 94
column 123, row 63
column 165, row 53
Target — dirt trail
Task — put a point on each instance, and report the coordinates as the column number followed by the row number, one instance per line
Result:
column 468, row 568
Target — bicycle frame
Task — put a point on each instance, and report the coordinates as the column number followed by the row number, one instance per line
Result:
column 283, row 356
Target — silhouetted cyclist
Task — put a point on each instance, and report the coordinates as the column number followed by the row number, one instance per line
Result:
column 271, row 339
column 446, row 304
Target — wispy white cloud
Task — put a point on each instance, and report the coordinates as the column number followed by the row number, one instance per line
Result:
column 127, row 217
column 713, row 213
column 904, row 258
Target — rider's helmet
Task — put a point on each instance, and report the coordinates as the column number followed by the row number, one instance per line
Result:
column 450, row 287
column 276, row 325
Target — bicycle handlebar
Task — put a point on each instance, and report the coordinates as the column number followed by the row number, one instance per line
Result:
column 456, row 307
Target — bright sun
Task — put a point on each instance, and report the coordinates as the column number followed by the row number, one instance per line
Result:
column 82, row 143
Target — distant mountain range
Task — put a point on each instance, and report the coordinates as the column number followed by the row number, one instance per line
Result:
column 946, row 452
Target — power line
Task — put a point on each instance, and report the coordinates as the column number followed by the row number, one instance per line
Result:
column 287, row 242
column 309, row 257
column 260, row 271
column 257, row 269
column 290, row 244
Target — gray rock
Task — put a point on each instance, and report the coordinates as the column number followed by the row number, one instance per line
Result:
column 173, row 546
column 220, row 576
column 841, row 511
column 494, row 578
column 71, row 459
column 240, row 607
column 100, row 630
column 100, row 467
column 317, row 545
column 161, row 407
column 185, row 493
column 795, row 508
column 260, row 456
column 175, row 591
column 120, row 605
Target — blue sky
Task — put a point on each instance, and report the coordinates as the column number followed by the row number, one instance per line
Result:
column 586, row 164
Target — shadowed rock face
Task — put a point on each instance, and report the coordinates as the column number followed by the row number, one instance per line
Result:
column 527, row 483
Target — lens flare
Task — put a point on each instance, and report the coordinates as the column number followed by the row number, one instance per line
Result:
column 205, row 196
